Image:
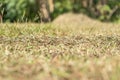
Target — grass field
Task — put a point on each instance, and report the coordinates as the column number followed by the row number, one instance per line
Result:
column 49, row 52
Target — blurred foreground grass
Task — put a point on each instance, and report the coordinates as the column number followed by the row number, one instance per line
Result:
column 49, row 52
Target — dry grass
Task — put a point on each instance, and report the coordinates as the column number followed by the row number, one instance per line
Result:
column 48, row 52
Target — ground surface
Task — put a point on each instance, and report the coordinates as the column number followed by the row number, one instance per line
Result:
column 50, row 52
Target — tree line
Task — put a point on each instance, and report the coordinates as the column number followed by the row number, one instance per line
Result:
column 47, row 10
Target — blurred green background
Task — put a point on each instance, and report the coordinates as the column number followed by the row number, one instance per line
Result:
column 26, row 10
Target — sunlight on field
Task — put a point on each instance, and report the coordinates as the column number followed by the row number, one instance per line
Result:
column 54, row 52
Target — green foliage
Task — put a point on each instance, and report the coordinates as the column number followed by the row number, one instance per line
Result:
column 26, row 10
column 113, row 4
column 61, row 7
column 18, row 10
column 103, row 9
column 1, row 4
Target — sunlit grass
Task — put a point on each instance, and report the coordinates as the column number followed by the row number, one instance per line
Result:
column 49, row 52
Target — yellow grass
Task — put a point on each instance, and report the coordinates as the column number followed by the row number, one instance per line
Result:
column 52, row 52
